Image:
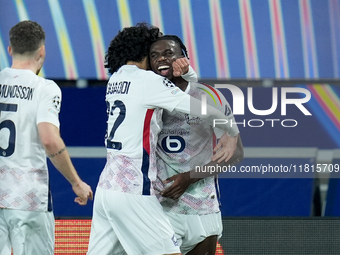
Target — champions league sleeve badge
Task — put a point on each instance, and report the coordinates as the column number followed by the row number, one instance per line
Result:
column 168, row 83
column 56, row 103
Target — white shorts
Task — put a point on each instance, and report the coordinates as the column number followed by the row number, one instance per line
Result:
column 193, row 229
column 27, row 232
column 125, row 223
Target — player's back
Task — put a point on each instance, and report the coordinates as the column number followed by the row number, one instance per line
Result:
column 19, row 97
column 22, row 156
column 134, row 99
column 129, row 114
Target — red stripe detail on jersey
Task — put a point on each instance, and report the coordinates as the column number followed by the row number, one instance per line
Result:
column 146, row 130
column 213, row 90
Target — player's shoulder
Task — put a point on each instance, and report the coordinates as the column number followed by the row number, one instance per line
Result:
column 214, row 93
column 48, row 83
column 158, row 79
column 48, row 86
column 205, row 87
column 151, row 75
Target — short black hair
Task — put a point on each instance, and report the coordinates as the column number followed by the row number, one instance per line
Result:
column 178, row 40
column 26, row 37
column 130, row 44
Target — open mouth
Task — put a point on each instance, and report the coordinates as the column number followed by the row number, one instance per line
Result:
column 164, row 70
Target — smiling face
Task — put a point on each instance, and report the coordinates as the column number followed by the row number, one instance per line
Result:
column 162, row 54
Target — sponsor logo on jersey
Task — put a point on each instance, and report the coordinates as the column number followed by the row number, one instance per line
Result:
column 173, row 144
column 174, row 132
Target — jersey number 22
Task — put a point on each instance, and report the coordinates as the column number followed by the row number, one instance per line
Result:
column 110, row 109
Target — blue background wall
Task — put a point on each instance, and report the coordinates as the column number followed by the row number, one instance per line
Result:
column 225, row 39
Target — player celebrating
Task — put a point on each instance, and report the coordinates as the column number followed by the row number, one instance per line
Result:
column 127, row 216
column 185, row 142
column 29, row 125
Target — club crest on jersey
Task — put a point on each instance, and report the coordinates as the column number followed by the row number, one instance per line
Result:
column 168, row 83
column 192, row 120
column 56, row 103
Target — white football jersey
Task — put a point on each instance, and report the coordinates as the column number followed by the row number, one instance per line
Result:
column 135, row 99
column 185, row 142
column 25, row 100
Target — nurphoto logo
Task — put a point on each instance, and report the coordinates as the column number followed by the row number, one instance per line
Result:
column 239, row 99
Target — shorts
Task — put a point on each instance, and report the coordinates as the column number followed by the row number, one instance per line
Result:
column 193, row 229
column 126, row 223
column 26, row 232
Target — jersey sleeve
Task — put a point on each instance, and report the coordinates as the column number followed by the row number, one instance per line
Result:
column 190, row 76
column 49, row 104
column 225, row 107
column 216, row 99
column 160, row 92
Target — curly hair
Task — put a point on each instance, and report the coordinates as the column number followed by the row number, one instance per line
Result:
column 26, row 37
column 177, row 40
column 130, row 44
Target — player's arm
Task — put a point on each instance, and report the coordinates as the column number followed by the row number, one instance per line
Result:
column 183, row 180
column 166, row 95
column 57, row 153
column 227, row 145
column 228, row 151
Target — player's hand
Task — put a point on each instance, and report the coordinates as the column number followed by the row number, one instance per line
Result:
column 180, row 66
column 181, row 182
column 83, row 191
column 225, row 148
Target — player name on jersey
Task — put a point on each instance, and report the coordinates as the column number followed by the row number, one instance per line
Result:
column 16, row 91
column 121, row 87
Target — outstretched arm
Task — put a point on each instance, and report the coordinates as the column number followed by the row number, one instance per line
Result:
column 57, row 152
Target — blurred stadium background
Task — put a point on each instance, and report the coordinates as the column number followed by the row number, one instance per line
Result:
column 249, row 43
